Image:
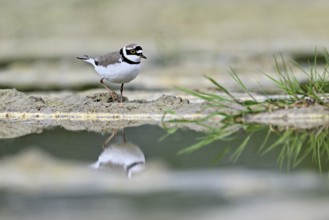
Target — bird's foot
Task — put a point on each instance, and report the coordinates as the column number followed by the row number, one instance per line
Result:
column 124, row 99
column 114, row 97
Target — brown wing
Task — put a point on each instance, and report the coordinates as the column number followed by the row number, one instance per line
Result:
column 110, row 58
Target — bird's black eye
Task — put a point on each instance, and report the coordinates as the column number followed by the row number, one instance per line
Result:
column 132, row 51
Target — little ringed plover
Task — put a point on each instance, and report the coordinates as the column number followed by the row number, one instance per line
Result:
column 117, row 67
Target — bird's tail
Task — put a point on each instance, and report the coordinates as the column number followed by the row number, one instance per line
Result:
column 84, row 57
column 96, row 165
column 88, row 59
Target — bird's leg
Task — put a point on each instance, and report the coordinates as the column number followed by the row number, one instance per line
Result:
column 108, row 89
column 114, row 132
column 123, row 135
column 121, row 90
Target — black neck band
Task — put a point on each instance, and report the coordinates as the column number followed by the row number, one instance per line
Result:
column 133, row 164
column 124, row 59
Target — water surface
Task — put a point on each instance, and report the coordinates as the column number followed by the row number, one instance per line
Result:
column 158, row 183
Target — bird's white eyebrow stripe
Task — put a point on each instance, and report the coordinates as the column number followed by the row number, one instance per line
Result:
column 139, row 51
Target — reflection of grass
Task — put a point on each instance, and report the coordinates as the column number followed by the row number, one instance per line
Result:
column 295, row 145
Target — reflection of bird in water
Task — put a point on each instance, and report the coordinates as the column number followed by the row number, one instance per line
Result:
column 121, row 154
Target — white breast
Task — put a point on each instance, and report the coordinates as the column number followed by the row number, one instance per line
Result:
column 119, row 73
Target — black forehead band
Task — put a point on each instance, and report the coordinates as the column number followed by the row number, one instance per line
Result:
column 138, row 48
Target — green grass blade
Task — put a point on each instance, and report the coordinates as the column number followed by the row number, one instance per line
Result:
column 235, row 156
column 222, row 88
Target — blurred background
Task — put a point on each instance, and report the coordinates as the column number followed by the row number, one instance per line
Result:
column 183, row 40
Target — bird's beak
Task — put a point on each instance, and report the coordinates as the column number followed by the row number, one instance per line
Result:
column 142, row 56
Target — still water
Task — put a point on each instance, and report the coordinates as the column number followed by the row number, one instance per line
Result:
column 149, row 179
column 84, row 146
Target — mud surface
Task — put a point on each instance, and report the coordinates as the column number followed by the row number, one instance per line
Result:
column 14, row 101
column 22, row 113
column 301, row 118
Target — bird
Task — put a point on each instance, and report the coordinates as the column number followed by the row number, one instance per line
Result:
column 121, row 154
column 124, row 155
column 120, row 66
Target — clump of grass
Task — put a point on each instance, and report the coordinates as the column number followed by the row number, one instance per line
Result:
column 313, row 92
column 232, row 110
column 315, row 89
